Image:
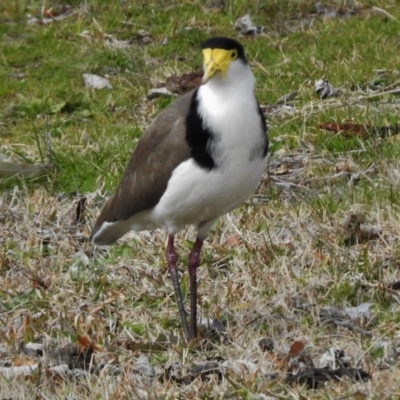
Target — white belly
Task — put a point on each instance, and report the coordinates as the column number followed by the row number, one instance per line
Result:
column 195, row 195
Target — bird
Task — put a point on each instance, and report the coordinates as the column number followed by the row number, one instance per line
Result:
column 199, row 159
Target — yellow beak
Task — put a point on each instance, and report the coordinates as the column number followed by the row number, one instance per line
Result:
column 215, row 61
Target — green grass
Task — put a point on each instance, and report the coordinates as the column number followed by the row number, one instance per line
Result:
column 288, row 249
column 54, row 57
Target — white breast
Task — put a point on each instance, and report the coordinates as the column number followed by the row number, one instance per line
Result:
column 195, row 195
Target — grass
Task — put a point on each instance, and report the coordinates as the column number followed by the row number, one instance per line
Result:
column 267, row 269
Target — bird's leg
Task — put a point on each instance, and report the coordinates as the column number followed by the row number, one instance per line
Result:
column 172, row 260
column 194, row 262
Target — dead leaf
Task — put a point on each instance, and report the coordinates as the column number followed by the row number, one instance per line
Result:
column 295, row 349
column 11, row 334
column 351, row 129
column 56, row 10
column 85, row 343
column 320, row 256
column 49, row 15
column 348, row 129
column 181, row 84
column 342, row 166
column 282, row 170
column 359, row 395
column 23, row 361
column 278, row 362
column 232, row 240
column 48, row 12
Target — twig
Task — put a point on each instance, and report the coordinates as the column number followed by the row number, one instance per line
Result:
column 394, row 91
column 381, row 10
column 347, row 324
column 347, row 104
column 279, row 182
column 328, row 177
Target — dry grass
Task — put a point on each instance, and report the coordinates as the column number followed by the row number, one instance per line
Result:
column 269, row 268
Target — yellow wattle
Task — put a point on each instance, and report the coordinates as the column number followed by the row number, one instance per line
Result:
column 215, row 61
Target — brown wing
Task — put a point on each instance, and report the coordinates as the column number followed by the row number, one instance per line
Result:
column 159, row 151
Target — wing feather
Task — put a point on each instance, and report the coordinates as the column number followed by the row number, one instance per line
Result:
column 159, row 151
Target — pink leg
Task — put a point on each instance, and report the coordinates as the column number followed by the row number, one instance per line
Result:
column 172, row 260
column 194, row 262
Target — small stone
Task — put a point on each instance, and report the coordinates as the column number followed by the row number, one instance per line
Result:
column 266, row 344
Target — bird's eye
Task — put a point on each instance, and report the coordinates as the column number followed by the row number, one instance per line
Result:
column 233, row 55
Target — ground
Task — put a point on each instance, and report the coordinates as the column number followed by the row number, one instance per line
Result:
column 303, row 276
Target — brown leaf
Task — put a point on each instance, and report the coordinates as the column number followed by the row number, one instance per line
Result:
column 232, row 240
column 295, row 348
column 342, row 166
column 346, row 129
column 185, row 82
column 359, row 395
column 282, row 170
column 279, row 362
column 351, row 129
column 12, row 335
column 22, row 360
column 54, row 376
column 320, row 256
column 55, row 11
column 84, row 343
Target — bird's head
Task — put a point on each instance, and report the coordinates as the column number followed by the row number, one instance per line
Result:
column 220, row 54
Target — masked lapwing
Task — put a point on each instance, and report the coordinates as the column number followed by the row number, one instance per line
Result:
column 200, row 158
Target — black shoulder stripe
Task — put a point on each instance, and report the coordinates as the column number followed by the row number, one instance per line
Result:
column 265, row 129
column 198, row 137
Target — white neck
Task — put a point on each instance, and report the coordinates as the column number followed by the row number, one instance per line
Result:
column 229, row 108
column 239, row 79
